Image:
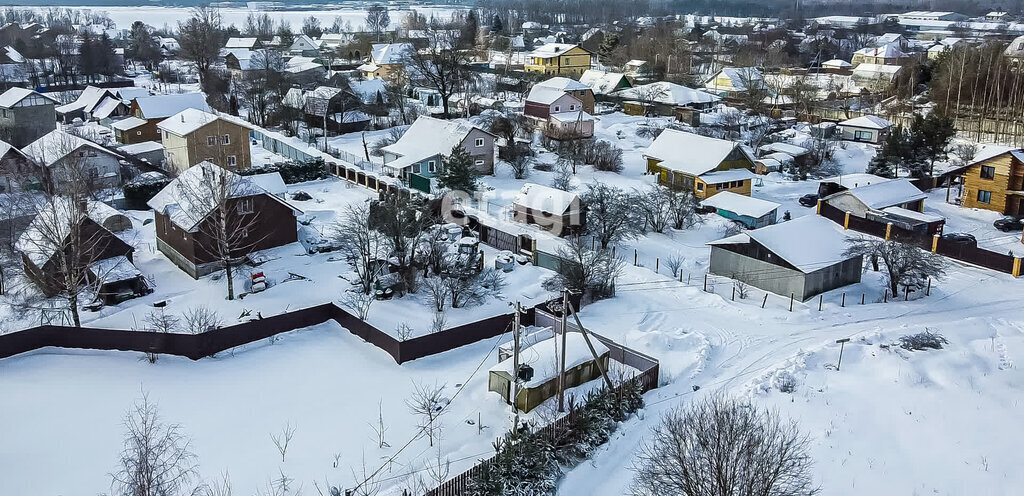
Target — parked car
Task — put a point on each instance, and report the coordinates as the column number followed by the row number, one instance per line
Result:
column 963, row 239
column 1009, row 224
column 809, row 200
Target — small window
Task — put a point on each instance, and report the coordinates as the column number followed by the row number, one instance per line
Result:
column 432, row 166
column 572, row 106
column 988, row 172
column 583, row 92
column 479, row 163
column 416, row 168
column 211, row 140
column 862, row 135
column 244, row 206
column 700, row 186
column 984, row 196
column 138, row 133
column 232, row 161
column 226, row 140
column 558, row 108
column 479, row 142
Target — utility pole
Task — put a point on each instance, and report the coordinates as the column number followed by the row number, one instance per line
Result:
column 561, row 361
column 515, row 368
column 597, row 361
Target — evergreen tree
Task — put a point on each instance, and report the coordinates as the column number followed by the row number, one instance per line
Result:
column 142, row 46
column 608, row 45
column 469, row 29
column 496, row 25
column 287, row 36
column 930, row 137
column 890, row 155
column 87, row 63
column 457, row 172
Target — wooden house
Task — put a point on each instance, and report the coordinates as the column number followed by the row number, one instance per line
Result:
column 559, row 212
column 150, row 110
column 64, row 158
column 706, row 166
column 559, row 59
column 420, row 150
column 878, row 196
column 26, row 116
column 996, row 183
column 184, row 212
column 193, row 136
column 866, row 128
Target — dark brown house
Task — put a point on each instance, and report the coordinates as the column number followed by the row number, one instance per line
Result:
column 185, row 220
column 150, row 110
column 50, row 233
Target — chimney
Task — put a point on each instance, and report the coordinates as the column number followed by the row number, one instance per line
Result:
column 182, row 117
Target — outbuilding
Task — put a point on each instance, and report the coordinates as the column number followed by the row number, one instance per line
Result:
column 749, row 211
column 554, row 210
column 802, row 257
column 866, row 128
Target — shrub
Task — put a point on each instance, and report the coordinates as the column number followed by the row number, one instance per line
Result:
column 926, row 340
column 293, row 172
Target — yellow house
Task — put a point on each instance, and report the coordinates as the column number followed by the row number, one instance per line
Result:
column 996, row 183
column 193, row 136
column 387, row 60
column 706, row 166
column 559, row 59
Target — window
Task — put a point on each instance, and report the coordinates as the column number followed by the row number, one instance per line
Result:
column 211, row 140
column 984, row 196
column 138, row 133
column 479, row 142
column 232, row 161
column 988, row 172
column 862, row 135
column 583, row 92
column 572, row 106
column 226, row 139
column 244, row 206
column 557, row 108
column 479, row 163
column 431, row 166
column 416, row 168
column 700, row 186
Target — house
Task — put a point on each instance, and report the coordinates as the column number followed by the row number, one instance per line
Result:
column 52, row 231
column 560, row 59
column 837, row 66
column 604, row 82
column 706, row 166
column 882, row 55
column 26, row 116
column 734, row 80
column 801, row 258
column 336, row 108
column 420, row 150
column 751, row 212
column 305, row 46
column 996, row 16
column 304, row 71
column 272, row 182
column 67, row 159
column 560, row 104
column 16, row 169
column 844, row 182
column 185, row 214
column 542, row 101
column 878, row 196
column 638, row 69
column 875, row 77
column 582, row 92
column 243, row 44
column 866, row 128
column 570, row 125
column 996, row 183
column 943, row 46
column 895, row 39
column 538, row 374
column 665, row 97
column 87, row 100
column 387, row 60
column 153, row 109
column 1015, row 50
column 559, row 212
column 193, row 136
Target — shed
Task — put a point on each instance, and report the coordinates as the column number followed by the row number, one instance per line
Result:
column 749, row 211
column 580, row 367
column 272, row 182
column 802, row 257
column 554, row 210
column 910, row 220
column 877, row 196
column 866, row 128
column 116, row 279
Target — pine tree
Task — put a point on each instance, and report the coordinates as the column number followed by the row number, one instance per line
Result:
column 469, row 29
column 930, row 137
column 496, row 25
column 457, row 172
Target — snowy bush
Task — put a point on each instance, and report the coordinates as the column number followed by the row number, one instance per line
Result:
column 926, row 340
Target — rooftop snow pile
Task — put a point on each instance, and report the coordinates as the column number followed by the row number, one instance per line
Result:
column 545, row 199
column 741, row 204
column 808, row 243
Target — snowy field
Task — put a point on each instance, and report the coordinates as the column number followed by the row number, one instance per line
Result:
column 124, row 16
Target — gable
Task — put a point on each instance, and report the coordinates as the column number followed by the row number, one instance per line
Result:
column 576, row 51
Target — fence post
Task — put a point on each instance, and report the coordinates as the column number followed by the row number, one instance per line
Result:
column 862, row 298
column 705, row 283
column 888, row 230
column 634, row 257
column 765, row 300
column 818, row 210
column 928, row 290
column 906, row 293
column 734, row 292
column 1016, row 267
column 885, row 298
column 791, row 296
column 935, row 243
column 657, row 265
column 846, row 221
column 843, row 302
column 821, row 298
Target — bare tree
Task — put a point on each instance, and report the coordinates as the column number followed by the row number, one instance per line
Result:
column 906, row 265
column 580, row 269
column 610, row 214
column 200, row 38
column 441, row 66
column 438, row 323
column 282, row 439
column 200, row 319
column 519, row 161
column 683, row 208
column 156, row 459
column 363, row 245
column 429, row 404
column 724, row 447
column 437, row 291
column 562, row 178
column 648, row 95
column 262, row 85
column 358, row 301
column 380, row 429
column 438, row 466
column 377, row 19
column 674, row 262
column 654, row 206
column 965, row 152
column 160, row 321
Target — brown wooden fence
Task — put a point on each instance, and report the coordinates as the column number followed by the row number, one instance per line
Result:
column 958, row 251
column 196, row 346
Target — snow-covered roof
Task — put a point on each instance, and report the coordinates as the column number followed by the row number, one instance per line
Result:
column 793, row 150
column 249, row 43
column 390, row 53
column 867, row 122
column 106, row 107
column 114, row 269
column 296, row 65
column 545, row 199
column 57, row 144
column 129, row 94
column 885, row 194
column 128, row 123
column 602, row 82
column 808, row 243
column 689, row 152
column 854, row 180
column 162, row 106
column 271, row 181
column 724, row 176
column 540, row 357
column 144, row 147
column 14, row 95
column 576, row 116
column 668, row 93
column 429, row 136
column 545, row 94
column 741, row 204
column 87, row 100
column 368, row 89
column 52, row 225
column 887, row 51
column 549, row 50
column 875, row 69
column 563, row 83
column 913, row 214
column 186, row 200
column 738, row 76
column 186, row 121
column 837, row 63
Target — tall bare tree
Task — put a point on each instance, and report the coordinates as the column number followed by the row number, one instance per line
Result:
column 156, row 459
column 364, row 246
column 200, row 37
column 377, row 19
column 441, row 66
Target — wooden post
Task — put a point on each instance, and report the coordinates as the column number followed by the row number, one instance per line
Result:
column 846, row 221
column 791, row 296
column 818, row 211
column 733, row 292
column 1016, row 266
column 687, row 279
column 634, row 257
column 680, row 276
column 479, row 424
column 906, row 293
column 843, row 302
column 862, row 298
column 821, row 298
column 657, row 265
column 765, row 300
column 597, row 361
column 935, row 243
column 705, row 283
column 885, row 298
column 613, row 250
column 888, row 230
column 928, row 290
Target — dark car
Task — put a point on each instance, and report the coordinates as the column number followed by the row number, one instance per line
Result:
column 963, row 239
column 1009, row 224
column 809, row 200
